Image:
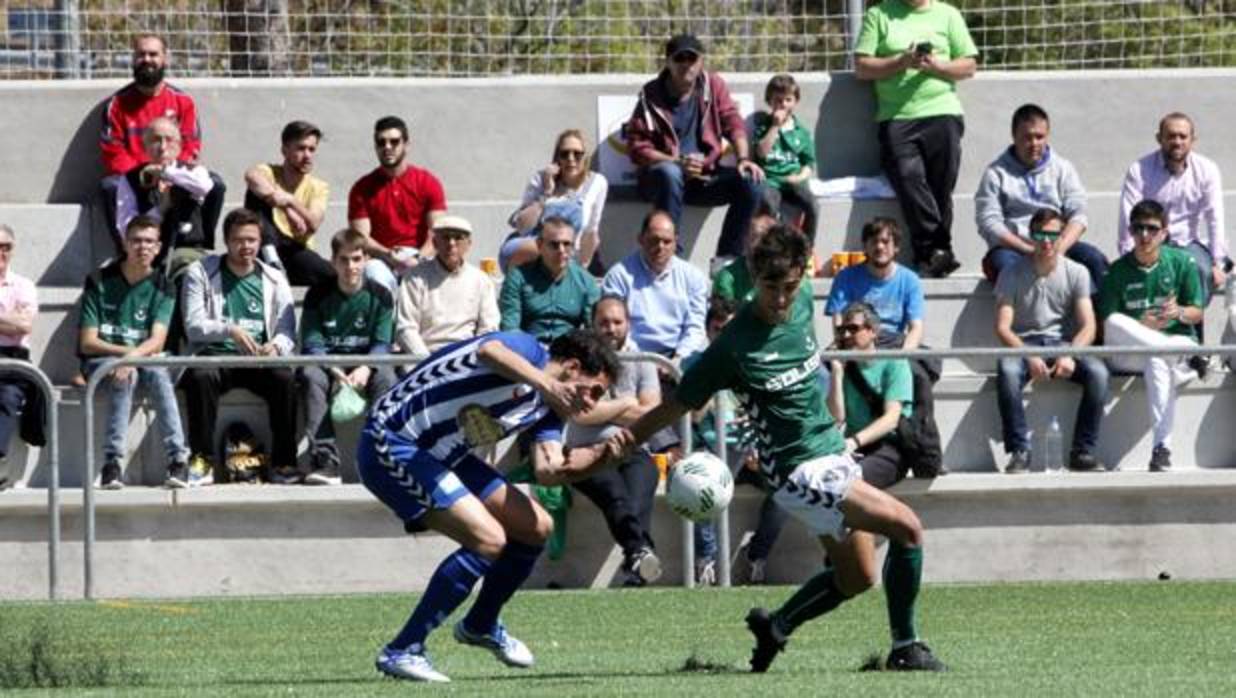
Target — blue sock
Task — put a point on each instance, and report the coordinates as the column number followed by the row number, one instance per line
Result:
column 448, row 588
column 508, row 574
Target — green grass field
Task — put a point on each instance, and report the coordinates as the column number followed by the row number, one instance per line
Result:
column 1152, row 639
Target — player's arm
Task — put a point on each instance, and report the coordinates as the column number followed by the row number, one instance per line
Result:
column 608, row 411
column 553, row 465
column 514, row 367
column 661, row 416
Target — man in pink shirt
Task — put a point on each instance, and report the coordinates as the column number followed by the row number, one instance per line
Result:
column 1190, row 189
column 394, row 206
column 18, row 308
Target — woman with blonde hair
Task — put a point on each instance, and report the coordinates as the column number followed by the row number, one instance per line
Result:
column 567, row 176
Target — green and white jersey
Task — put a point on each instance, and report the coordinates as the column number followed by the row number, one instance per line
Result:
column 1131, row 289
column 774, row 372
column 243, row 305
column 124, row 314
column 335, row 323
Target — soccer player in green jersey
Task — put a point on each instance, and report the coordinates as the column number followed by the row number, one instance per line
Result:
column 769, row 357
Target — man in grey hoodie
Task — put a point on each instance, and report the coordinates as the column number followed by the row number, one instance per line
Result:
column 234, row 303
column 1026, row 177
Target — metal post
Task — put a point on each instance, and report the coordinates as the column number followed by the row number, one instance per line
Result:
column 68, row 40
column 853, row 26
column 688, row 528
column 722, row 520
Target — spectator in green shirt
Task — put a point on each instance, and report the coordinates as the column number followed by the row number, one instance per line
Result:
column 786, row 151
column 347, row 314
column 126, row 309
column 1152, row 297
column 552, row 294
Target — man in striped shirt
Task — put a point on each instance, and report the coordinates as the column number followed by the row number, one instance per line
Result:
column 416, row 454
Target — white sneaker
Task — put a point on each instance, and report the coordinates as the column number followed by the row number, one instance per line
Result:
column 509, row 650
column 706, row 573
column 647, row 565
column 410, row 666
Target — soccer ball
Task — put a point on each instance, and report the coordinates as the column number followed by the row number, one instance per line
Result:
column 699, row 487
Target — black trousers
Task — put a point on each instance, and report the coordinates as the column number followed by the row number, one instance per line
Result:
column 624, row 495
column 12, row 398
column 921, row 158
column 303, row 266
column 787, row 204
column 277, row 386
column 211, row 210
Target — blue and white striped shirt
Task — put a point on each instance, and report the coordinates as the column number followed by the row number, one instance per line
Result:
column 452, row 402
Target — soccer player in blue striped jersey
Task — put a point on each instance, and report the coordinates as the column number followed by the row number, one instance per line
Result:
column 416, row 454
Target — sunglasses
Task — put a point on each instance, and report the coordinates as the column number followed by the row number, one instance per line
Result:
column 1144, row 228
column 380, row 142
column 684, row 57
column 1044, row 235
column 852, row 328
column 570, row 154
column 559, row 244
column 6, row 247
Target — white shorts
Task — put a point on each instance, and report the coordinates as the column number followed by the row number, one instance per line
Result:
column 814, row 491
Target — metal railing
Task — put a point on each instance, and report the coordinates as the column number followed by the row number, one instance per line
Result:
column 52, row 426
column 688, row 540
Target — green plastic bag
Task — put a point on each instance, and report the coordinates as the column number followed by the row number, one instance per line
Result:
column 348, row 404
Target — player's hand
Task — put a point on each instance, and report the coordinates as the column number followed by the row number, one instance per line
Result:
column 562, row 398
column 749, row 169
column 751, row 461
column 244, row 343
column 1038, row 368
column 1064, row 368
column 619, row 445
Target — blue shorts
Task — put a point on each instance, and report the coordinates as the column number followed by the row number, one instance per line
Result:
column 413, row 483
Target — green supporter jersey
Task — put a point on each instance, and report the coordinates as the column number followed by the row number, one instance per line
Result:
column 892, row 27
column 124, row 314
column 243, row 305
column 793, row 150
column 343, row 324
column 733, row 282
column 774, row 372
column 1131, row 289
column 889, row 378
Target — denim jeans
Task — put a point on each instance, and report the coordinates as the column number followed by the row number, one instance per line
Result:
column 158, row 385
column 1012, row 374
column 663, row 184
column 1081, row 252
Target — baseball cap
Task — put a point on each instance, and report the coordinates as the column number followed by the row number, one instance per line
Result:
column 684, row 42
column 458, row 223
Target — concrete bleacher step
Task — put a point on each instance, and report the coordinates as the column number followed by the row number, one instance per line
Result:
column 247, row 540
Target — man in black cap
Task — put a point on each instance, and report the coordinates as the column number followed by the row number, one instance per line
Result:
column 675, row 139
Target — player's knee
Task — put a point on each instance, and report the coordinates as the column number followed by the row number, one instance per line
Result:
column 855, row 579
column 543, row 527
column 489, row 542
column 911, row 528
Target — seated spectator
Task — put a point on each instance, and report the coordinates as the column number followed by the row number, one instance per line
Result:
column 127, row 115
column 292, row 203
column 445, row 300
column 19, row 306
column 236, row 304
column 625, row 492
column 667, row 297
column 785, row 150
column 1189, row 186
column 395, row 205
column 568, row 176
column 1152, row 297
column 1044, row 301
column 169, row 192
column 1027, row 177
column 897, row 296
column 126, row 310
column 346, row 314
column 675, row 137
column 733, row 282
column 552, row 294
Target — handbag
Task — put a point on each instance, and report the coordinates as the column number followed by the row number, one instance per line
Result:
column 916, row 437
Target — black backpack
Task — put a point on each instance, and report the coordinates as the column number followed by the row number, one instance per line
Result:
column 916, row 436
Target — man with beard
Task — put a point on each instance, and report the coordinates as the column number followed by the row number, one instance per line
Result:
column 125, row 118
column 292, row 204
column 1190, row 189
column 394, row 206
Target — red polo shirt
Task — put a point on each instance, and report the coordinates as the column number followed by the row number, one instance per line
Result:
column 398, row 209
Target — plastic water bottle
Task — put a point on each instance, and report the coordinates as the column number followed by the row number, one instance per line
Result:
column 1052, row 447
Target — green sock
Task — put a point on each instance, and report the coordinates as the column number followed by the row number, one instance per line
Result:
column 903, row 574
column 813, row 599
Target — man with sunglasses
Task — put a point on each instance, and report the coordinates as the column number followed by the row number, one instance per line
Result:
column 1029, row 176
column 552, row 294
column 675, row 137
column 1040, row 299
column 395, row 205
column 1152, row 297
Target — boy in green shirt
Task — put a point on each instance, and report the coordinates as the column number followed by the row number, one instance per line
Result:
column 786, row 151
column 125, row 312
column 1152, row 297
column 768, row 355
column 347, row 314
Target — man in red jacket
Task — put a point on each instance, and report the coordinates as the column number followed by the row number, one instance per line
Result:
column 131, row 110
column 675, row 138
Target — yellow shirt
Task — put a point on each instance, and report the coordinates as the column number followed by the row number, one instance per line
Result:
column 312, row 192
